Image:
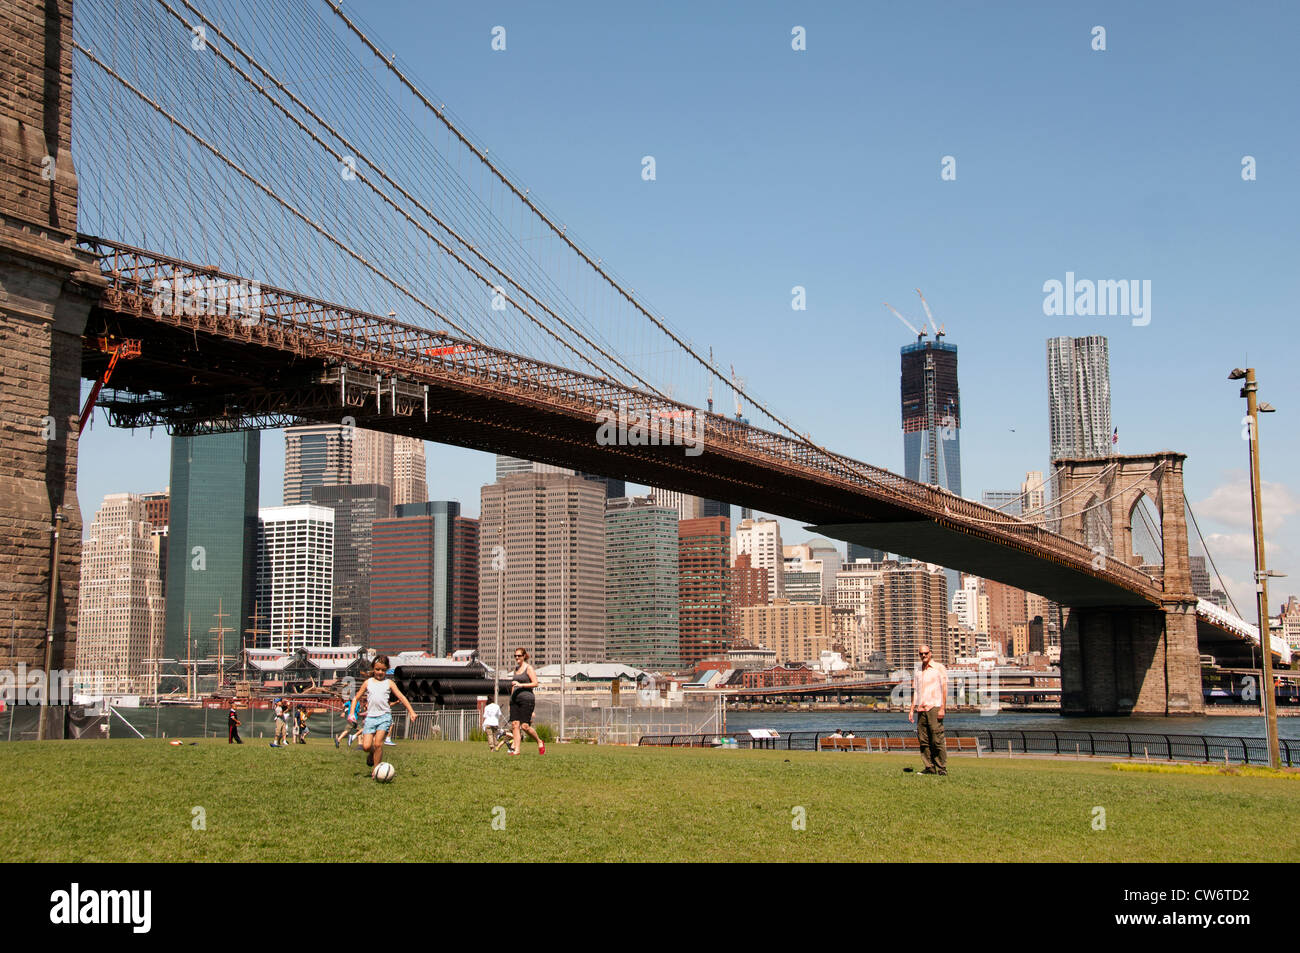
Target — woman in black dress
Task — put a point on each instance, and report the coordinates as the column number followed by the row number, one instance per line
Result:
column 522, row 700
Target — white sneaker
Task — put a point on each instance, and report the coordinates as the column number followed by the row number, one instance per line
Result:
column 390, row 743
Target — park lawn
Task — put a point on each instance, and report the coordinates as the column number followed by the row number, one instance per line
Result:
column 132, row 800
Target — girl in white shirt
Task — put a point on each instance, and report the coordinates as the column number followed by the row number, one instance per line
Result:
column 379, row 710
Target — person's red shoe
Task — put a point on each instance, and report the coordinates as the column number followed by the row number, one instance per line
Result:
column 541, row 748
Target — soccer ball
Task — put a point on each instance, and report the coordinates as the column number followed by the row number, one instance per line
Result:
column 383, row 771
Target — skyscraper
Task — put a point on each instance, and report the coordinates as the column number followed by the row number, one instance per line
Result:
column 641, row 579
column 615, row 489
column 1007, row 607
column 854, row 585
column 338, row 455
column 410, row 471
column 909, row 608
column 715, row 508
column 932, row 420
column 857, row 551
column 372, row 459
column 1004, row 501
column 508, row 466
column 749, row 587
column 464, row 588
column 761, row 541
column 295, row 576
column 1033, row 495
column 157, row 507
column 970, row 603
column 316, row 455
column 356, row 508
column 542, row 568
column 705, row 587
column 212, row 538
column 413, row 580
column 1028, row 501
column 818, row 556
column 122, row 610
column 795, row 632
column 1201, row 585
column 1078, row 397
column 687, row 506
column 931, row 414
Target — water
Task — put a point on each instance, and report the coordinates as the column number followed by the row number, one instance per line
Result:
column 864, row 722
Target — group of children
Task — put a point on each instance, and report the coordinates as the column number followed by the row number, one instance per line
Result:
column 290, row 721
column 378, row 691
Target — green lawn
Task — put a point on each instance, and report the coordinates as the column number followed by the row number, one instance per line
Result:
column 131, row 800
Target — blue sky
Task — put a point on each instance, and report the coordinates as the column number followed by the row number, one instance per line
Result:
column 821, row 168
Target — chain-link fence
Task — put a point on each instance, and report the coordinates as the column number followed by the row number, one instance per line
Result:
column 19, row 722
column 602, row 717
column 599, row 716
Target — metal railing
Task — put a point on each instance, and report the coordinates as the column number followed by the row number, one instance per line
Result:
column 1153, row 746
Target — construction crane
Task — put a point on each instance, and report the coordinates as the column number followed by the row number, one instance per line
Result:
column 710, row 381
column 737, row 384
column 938, row 330
column 117, row 349
column 920, row 335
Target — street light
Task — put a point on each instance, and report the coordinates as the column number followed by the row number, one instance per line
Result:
column 49, row 619
column 1253, row 410
column 564, row 621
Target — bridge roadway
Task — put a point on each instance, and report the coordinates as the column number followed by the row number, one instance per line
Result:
column 285, row 357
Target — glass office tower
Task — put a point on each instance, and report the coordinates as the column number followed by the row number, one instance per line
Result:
column 931, row 414
column 212, row 544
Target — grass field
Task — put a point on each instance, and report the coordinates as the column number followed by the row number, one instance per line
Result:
column 130, row 800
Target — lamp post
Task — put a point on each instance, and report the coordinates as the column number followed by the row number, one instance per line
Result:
column 49, row 620
column 564, row 626
column 500, row 559
column 1253, row 410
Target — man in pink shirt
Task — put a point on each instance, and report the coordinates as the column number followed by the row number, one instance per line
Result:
column 929, row 696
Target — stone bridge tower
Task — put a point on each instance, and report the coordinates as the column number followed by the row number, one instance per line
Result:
column 46, row 291
column 1125, row 660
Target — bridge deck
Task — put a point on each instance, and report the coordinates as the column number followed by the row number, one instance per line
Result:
column 291, row 357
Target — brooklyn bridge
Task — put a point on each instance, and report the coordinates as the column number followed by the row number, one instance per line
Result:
column 220, row 244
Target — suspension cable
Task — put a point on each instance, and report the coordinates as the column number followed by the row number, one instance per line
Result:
column 405, row 194
column 1226, row 591
column 391, row 64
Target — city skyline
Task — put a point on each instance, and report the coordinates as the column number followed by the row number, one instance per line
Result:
column 989, row 280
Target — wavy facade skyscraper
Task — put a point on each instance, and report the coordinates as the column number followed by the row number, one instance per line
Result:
column 1078, row 397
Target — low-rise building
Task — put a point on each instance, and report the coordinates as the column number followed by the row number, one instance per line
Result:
column 782, row 676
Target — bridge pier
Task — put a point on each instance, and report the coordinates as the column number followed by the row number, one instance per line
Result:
column 1128, row 660
column 1131, row 661
column 47, row 287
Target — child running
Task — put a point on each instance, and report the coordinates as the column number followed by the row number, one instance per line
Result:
column 492, row 726
column 351, row 710
column 379, row 711
column 281, row 724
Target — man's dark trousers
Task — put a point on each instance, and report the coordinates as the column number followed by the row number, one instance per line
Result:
column 929, row 732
